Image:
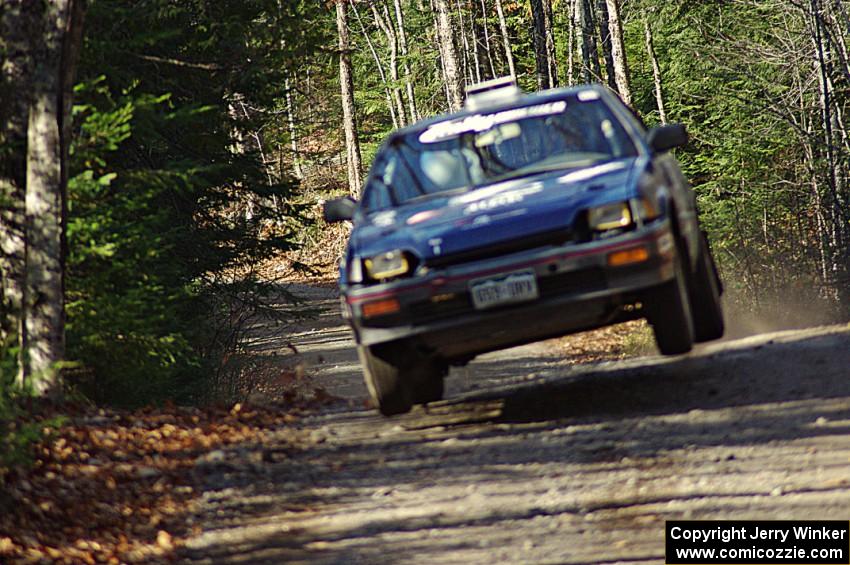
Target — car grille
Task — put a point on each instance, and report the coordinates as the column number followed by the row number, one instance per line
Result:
column 576, row 281
column 428, row 311
column 501, row 248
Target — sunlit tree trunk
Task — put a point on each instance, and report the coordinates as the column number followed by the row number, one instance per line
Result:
column 463, row 43
column 449, row 55
column 605, row 36
column 473, row 40
column 293, row 134
column 405, row 64
column 385, row 23
column 506, row 40
column 656, row 70
column 346, row 81
column 618, row 52
column 589, row 53
column 47, row 142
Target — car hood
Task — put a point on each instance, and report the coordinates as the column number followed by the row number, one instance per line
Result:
column 497, row 213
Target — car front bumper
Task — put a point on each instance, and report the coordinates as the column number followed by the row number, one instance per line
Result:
column 578, row 289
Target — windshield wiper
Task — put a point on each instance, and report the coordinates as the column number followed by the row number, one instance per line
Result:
column 540, row 169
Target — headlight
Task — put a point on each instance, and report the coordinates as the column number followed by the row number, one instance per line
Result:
column 355, row 271
column 387, row 265
column 609, row 216
column 644, row 209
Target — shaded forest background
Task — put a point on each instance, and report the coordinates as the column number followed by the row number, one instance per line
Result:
column 204, row 132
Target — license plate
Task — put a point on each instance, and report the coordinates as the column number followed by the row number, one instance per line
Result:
column 516, row 287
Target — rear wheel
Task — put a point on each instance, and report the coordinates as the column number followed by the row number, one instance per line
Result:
column 670, row 312
column 705, row 297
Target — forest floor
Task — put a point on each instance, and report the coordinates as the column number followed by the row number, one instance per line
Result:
column 567, row 451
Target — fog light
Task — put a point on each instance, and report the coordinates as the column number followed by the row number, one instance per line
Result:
column 380, row 307
column 628, row 256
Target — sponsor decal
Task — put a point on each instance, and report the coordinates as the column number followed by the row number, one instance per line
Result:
column 449, row 129
column 384, row 219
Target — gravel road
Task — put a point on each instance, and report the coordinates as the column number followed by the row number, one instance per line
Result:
column 531, row 460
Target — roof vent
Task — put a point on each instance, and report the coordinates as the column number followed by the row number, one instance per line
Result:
column 491, row 92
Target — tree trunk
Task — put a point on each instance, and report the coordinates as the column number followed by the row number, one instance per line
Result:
column 571, row 77
column 550, row 43
column 385, row 23
column 589, row 52
column 449, row 54
column 346, row 81
column 618, row 52
column 441, row 67
column 473, row 37
column 44, row 319
column 837, row 214
column 17, row 26
column 656, row 71
column 605, row 35
column 506, row 40
column 543, row 44
column 464, row 43
column 293, row 134
column 405, row 65
column 487, row 47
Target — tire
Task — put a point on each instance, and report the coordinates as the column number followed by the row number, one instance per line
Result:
column 670, row 312
column 382, row 371
column 430, row 382
column 705, row 297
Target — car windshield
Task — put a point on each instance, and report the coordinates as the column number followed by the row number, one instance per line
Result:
column 458, row 155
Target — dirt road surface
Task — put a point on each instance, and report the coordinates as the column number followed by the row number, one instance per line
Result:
column 531, row 460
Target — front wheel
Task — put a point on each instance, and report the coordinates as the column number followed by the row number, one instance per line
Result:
column 670, row 312
column 398, row 377
column 382, row 371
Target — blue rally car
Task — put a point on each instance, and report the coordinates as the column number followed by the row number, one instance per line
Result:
column 520, row 218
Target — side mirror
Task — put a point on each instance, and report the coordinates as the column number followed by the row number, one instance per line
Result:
column 665, row 138
column 339, row 209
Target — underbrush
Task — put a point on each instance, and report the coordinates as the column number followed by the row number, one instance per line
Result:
column 22, row 420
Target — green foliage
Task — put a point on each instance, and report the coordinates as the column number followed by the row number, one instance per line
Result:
column 162, row 168
column 18, row 431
